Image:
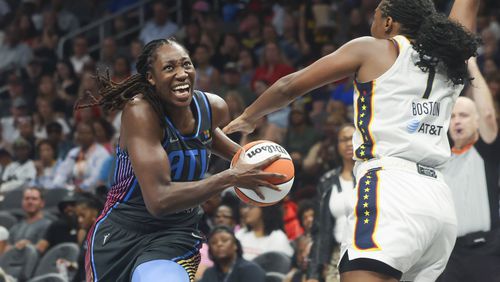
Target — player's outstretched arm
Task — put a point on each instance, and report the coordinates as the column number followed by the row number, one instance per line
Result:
column 481, row 94
column 465, row 12
column 337, row 65
column 141, row 136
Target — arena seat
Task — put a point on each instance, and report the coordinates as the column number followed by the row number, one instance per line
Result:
column 274, row 262
column 20, row 263
column 47, row 264
column 51, row 277
column 274, row 277
column 7, row 219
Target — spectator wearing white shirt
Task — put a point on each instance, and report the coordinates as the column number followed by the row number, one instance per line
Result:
column 20, row 172
column 14, row 53
column 80, row 54
column 264, row 232
column 160, row 26
column 82, row 165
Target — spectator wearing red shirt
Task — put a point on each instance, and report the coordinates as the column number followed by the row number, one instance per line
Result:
column 273, row 65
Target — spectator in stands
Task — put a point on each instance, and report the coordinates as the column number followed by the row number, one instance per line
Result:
column 135, row 50
column 231, row 82
column 323, row 155
column 15, row 54
column 87, row 209
column 273, row 65
column 56, row 138
column 305, row 215
column 264, row 232
column 228, row 50
column 27, row 132
column 207, row 76
column 225, row 215
column 81, row 167
column 108, row 54
column 32, row 228
column 472, row 174
column 20, row 172
column 62, row 230
column 9, row 123
column 104, row 132
column 300, row 136
column 80, row 54
column 246, row 65
column 192, row 36
column 4, row 240
column 67, row 83
column 160, row 26
column 44, row 115
column 27, row 30
column 121, row 69
column 4, row 145
column 47, row 89
column 46, row 165
column 229, row 265
column 298, row 273
column 65, row 19
column 335, row 189
column 5, row 160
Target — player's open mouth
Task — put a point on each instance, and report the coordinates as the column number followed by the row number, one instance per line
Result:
column 181, row 90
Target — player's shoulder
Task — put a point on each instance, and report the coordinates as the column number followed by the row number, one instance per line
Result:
column 138, row 108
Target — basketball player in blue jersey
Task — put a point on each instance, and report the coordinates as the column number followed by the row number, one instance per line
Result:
column 148, row 228
column 401, row 221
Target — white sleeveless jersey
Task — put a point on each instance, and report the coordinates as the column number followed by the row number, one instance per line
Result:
column 404, row 113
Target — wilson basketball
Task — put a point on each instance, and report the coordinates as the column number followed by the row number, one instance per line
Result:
column 258, row 151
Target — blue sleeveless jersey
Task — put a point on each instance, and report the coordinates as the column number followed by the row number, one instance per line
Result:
column 189, row 157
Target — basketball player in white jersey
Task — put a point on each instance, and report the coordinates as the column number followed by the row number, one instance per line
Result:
column 401, row 221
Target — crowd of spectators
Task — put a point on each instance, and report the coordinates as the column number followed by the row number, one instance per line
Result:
column 239, row 49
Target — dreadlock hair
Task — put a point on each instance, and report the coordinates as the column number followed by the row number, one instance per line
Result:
column 114, row 96
column 436, row 38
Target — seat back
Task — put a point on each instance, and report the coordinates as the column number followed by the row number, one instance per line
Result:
column 47, row 264
column 20, row 263
column 274, row 262
column 7, row 220
column 275, row 277
column 51, row 277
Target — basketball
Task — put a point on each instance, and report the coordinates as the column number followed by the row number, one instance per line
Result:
column 258, row 151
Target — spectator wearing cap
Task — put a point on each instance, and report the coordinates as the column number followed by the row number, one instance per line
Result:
column 18, row 173
column 33, row 226
column 15, row 54
column 160, row 26
column 4, row 240
column 231, row 82
column 64, row 229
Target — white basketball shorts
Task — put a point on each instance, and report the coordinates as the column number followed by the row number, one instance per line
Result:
column 402, row 214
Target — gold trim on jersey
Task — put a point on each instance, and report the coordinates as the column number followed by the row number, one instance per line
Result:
column 364, row 117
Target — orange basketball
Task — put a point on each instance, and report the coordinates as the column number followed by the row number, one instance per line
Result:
column 258, row 151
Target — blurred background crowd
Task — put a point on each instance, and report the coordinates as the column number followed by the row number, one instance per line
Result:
column 56, row 164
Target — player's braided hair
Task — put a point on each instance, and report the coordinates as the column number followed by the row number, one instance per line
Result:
column 114, row 96
column 436, row 38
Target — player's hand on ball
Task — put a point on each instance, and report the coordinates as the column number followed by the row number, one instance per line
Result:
column 240, row 124
column 251, row 176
